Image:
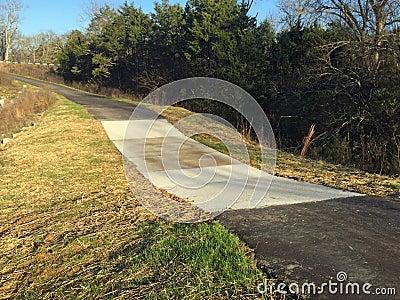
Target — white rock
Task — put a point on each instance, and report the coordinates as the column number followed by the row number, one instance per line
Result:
column 5, row 141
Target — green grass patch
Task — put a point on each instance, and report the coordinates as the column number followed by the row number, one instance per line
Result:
column 165, row 261
column 211, row 142
column 77, row 110
column 394, row 186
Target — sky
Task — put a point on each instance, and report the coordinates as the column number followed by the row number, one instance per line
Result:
column 63, row 16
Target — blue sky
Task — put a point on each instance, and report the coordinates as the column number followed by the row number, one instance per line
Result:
column 63, row 16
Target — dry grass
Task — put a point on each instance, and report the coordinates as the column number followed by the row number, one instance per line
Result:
column 71, row 229
column 22, row 111
column 37, row 71
column 337, row 176
column 21, row 105
column 6, row 82
column 59, row 199
column 9, row 90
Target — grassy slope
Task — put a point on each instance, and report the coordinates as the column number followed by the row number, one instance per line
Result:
column 70, row 227
column 22, row 104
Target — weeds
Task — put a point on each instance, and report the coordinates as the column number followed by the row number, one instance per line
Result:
column 307, row 141
column 24, row 106
column 6, row 81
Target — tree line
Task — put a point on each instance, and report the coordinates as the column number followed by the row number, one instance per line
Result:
column 333, row 64
column 42, row 47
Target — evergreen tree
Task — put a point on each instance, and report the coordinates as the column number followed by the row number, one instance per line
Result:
column 208, row 35
column 167, row 44
column 102, row 43
column 74, row 59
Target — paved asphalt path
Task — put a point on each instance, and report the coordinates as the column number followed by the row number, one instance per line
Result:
column 313, row 242
column 306, row 242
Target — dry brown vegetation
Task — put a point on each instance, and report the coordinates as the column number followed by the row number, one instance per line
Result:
column 336, row 176
column 71, row 199
column 37, row 71
column 6, row 82
column 21, row 104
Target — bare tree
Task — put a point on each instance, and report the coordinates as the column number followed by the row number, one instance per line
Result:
column 10, row 20
column 372, row 22
column 42, row 47
column 299, row 13
column 50, row 44
column 370, row 26
column 91, row 10
column 20, row 48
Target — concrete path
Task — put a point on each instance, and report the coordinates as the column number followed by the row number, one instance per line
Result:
column 190, row 170
column 301, row 240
